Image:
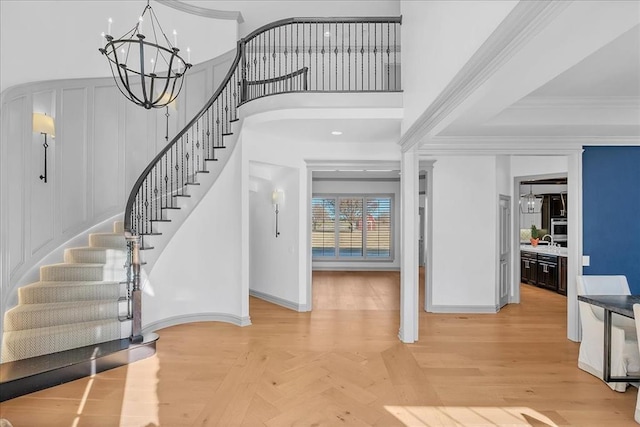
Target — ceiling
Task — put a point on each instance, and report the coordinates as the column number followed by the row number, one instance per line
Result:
column 597, row 96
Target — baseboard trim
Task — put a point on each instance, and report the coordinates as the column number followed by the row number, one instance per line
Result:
column 349, row 268
column 279, row 301
column 198, row 317
column 464, row 309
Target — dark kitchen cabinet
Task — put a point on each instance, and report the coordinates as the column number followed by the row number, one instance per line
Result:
column 558, row 205
column 548, row 271
column 529, row 267
column 562, row 275
column 544, row 271
column 553, row 206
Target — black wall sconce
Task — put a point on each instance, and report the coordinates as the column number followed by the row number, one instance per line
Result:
column 44, row 125
column 277, row 198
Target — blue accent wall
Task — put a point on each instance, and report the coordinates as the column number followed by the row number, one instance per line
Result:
column 611, row 211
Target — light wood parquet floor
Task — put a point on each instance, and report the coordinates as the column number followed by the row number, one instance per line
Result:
column 342, row 365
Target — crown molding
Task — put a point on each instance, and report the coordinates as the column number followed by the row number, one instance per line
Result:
column 525, row 21
column 203, row 11
column 518, row 145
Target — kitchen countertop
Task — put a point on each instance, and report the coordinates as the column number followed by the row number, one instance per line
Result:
column 545, row 249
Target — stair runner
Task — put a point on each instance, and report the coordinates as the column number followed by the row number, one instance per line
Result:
column 76, row 303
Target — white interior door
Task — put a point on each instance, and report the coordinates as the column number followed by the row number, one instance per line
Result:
column 504, row 244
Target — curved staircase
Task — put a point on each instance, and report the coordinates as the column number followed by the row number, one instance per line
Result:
column 75, row 308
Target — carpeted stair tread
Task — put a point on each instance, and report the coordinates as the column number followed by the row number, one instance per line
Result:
column 118, row 227
column 108, row 240
column 52, row 339
column 33, row 316
column 64, row 291
column 81, row 272
column 95, row 255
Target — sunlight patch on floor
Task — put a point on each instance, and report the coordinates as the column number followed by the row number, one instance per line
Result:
column 140, row 399
column 445, row 416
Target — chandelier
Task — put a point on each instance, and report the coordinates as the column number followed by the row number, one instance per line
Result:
column 148, row 70
column 530, row 203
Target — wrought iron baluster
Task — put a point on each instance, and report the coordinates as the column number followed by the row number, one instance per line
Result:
column 368, row 57
column 349, row 55
column 395, row 62
column 388, row 58
column 375, row 59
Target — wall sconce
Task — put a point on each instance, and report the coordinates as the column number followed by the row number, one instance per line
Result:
column 166, row 99
column 277, row 198
column 44, row 124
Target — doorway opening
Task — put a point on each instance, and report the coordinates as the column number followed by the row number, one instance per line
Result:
column 540, row 270
column 355, row 237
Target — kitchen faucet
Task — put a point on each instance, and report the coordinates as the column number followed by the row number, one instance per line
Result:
column 550, row 237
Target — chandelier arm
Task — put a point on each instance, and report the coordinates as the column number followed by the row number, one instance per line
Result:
column 124, row 79
column 166, row 84
column 143, row 83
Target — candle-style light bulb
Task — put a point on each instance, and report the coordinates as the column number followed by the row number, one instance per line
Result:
column 189, row 55
column 110, row 21
column 175, row 38
column 140, row 21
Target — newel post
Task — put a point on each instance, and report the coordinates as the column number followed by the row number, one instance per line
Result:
column 133, row 242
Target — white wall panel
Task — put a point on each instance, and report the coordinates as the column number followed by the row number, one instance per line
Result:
column 71, row 144
column 136, row 142
column 15, row 193
column 196, row 96
column 106, row 150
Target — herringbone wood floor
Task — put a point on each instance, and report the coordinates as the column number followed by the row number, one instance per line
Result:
column 342, row 364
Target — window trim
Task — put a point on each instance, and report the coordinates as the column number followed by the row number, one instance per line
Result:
column 364, row 257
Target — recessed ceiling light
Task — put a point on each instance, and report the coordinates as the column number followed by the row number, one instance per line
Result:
column 327, row 34
column 336, row 132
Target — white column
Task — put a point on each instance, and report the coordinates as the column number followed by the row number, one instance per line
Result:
column 409, row 247
column 574, row 267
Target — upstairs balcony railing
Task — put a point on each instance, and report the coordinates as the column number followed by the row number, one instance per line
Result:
column 291, row 55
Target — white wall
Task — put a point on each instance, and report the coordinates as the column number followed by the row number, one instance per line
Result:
column 464, row 204
column 45, row 40
column 198, row 276
column 333, row 187
column 273, row 261
column 438, row 38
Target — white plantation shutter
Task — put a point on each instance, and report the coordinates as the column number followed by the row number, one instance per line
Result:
column 323, row 223
column 378, row 228
column 352, row 227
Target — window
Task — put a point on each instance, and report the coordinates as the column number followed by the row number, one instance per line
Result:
column 351, row 227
